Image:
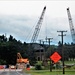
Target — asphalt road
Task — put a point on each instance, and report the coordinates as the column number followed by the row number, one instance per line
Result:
column 12, row 72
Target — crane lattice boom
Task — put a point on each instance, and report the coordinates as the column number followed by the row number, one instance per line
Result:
column 38, row 26
column 71, row 25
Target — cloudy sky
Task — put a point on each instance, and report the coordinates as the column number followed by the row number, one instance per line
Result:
column 19, row 18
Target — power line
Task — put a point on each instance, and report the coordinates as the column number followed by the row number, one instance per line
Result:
column 62, row 49
column 49, row 40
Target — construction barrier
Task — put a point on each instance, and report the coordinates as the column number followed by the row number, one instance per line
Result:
column 2, row 66
column 28, row 67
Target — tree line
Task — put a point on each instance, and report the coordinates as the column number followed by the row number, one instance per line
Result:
column 68, row 50
column 9, row 47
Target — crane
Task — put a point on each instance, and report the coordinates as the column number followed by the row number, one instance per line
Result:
column 38, row 26
column 71, row 25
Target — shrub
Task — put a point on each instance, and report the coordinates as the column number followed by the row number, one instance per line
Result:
column 73, row 67
column 38, row 66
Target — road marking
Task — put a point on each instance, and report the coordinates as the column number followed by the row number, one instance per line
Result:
column 22, row 74
column 19, row 73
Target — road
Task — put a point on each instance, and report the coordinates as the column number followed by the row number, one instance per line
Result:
column 12, row 72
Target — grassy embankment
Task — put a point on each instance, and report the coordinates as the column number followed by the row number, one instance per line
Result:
column 68, row 71
column 47, row 72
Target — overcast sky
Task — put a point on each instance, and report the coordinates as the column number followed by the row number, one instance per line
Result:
column 19, row 18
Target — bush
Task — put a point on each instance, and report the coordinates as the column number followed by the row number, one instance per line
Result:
column 38, row 66
column 2, row 62
column 73, row 67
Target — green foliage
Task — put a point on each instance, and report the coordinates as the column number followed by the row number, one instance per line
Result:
column 73, row 67
column 9, row 49
column 2, row 62
column 47, row 72
column 38, row 66
column 58, row 66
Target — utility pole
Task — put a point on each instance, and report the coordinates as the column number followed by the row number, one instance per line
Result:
column 40, row 49
column 40, row 41
column 44, row 51
column 49, row 40
column 62, row 49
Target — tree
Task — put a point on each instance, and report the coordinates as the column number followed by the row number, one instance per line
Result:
column 11, row 38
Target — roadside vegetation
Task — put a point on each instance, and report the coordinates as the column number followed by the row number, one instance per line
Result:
column 47, row 72
column 38, row 69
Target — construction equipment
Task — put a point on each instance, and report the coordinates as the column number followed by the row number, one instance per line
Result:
column 21, row 62
column 20, row 59
column 71, row 25
column 38, row 26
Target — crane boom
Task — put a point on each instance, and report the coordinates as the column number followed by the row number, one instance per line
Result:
column 38, row 26
column 71, row 25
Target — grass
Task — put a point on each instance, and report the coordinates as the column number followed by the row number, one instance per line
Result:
column 69, row 62
column 47, row 72
column 68, row 71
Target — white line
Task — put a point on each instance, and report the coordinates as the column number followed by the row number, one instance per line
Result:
column 19, row 73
